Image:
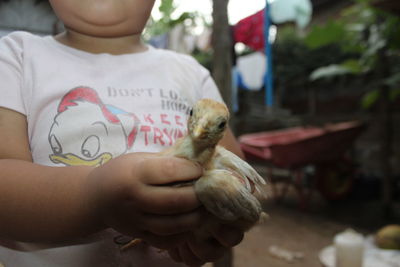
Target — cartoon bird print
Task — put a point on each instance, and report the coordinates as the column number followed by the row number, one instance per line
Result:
column 227, row 185
column 105, row 131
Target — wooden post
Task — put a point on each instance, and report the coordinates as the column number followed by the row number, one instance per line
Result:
column 222, row 71
column 222, row 46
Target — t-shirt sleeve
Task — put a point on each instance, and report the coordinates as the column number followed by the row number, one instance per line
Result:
column 11, row 73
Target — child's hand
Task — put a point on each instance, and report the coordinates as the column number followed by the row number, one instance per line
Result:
column 196, row 252
column 136, row 197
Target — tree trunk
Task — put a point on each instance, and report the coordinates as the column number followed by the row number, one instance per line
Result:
column 222, row 71
column 222, row 46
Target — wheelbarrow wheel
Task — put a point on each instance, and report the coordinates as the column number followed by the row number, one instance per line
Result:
column 335, row 179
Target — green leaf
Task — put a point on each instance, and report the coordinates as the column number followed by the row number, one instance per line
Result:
column 394, row 93
column 329, row 71
column 370, row 98
column 332, row 32
column 167, row 7
column 354, row 66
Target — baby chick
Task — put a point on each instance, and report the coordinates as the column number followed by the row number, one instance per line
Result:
column 227, row 184
column 226, row 187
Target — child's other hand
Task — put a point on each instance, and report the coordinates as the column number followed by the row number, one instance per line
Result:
column 197, row 252
column 136, row 198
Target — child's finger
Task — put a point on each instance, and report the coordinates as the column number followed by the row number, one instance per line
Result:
column 161, row 170
column 174, row 254
column 166, row 200
column 188, row 257
column 228, row 236
column 170, row 225
column 207, row 250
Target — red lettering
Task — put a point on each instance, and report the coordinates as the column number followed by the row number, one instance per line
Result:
column 146, row 129
column 169, row 135
column 163, row 119
column 177, row 120
column 147, row 118
column 158, row 135
column 132, row 137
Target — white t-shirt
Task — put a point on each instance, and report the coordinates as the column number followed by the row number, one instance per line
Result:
column 85, row 109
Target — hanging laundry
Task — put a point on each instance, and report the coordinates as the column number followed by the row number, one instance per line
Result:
column 298, row 11
column 235, row 89
column 251, row 70
column 250, row 31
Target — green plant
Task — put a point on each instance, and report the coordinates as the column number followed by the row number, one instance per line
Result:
column 368, row 33
column 294, row 60
column 169, row 19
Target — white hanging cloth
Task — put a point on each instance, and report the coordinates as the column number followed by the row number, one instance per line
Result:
column 299, row 11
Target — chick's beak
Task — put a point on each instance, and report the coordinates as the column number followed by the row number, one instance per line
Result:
column 199, row 132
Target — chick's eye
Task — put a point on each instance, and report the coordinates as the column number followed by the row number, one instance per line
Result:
column 191, row 112
column 222, row 125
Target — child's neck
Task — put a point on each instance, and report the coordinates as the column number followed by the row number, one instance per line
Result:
column 92, row 44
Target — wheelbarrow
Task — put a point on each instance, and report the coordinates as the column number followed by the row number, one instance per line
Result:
column 295, row 148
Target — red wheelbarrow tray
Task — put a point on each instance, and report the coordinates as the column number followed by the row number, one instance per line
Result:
column 299, row 146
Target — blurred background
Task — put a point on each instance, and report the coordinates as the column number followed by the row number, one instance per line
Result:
column 314, row 91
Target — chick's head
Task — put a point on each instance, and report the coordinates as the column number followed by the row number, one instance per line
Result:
column 208, row 121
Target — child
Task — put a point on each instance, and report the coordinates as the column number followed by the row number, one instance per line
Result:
column 80, row 116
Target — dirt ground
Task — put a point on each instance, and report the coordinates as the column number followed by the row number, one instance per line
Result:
column 288, row 229
column 305, row 231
